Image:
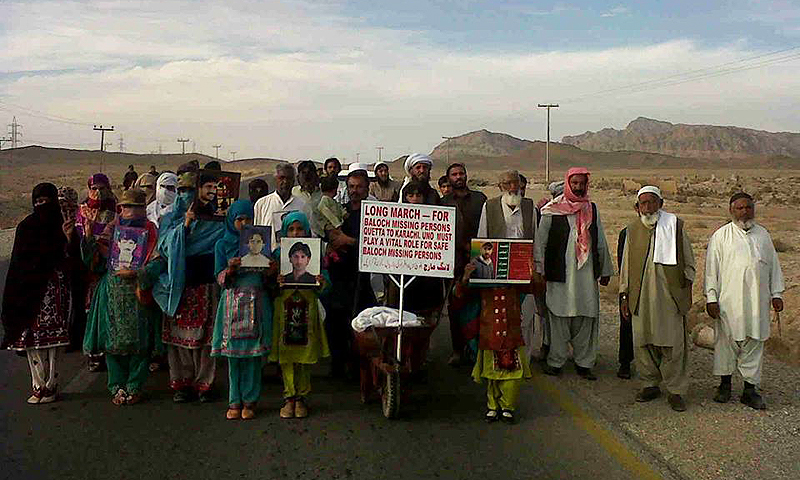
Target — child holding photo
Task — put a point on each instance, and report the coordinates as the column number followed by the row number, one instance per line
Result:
column 299, row 336
column 243, row 325
column 119, row 324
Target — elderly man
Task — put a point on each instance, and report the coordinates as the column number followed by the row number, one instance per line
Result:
column 418, row 167
column 571, row 254
column 279, row 200
column 742, row 278
column 655, row 287
column 384, row 188
column 511, row 216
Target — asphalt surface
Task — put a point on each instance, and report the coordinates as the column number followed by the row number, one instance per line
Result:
column 441, row 432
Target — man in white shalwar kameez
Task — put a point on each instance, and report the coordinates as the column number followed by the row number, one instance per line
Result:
column 655, row 286
column 571, row 254
column 743, row 277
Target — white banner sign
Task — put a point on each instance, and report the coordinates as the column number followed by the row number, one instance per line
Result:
column 404, row 238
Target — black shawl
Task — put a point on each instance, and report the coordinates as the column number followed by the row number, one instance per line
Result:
column 39, row 249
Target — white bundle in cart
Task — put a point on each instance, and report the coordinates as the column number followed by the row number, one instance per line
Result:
column 384, row 317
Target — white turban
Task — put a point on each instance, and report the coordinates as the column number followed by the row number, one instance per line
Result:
column 650, row 189
column 416, row 158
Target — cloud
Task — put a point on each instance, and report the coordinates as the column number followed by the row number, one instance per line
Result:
column 616, row 11
column 300, row 80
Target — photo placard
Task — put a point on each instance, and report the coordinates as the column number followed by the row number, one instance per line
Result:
column 255, row 247
column 128, row 248
column 501, row 260
column 301, row 260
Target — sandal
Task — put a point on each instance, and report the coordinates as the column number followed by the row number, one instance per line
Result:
column 507, row 416
column 492, row 416
column 119, row 398
column 36, row 396
column 233, row 413
column 249, row 412
column 133, row 399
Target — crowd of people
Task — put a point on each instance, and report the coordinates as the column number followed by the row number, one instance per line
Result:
column 191, row 301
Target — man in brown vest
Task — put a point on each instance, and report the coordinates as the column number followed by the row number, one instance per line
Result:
column 655, row 289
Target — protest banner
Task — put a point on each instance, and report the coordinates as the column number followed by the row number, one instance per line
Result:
column 407, row 239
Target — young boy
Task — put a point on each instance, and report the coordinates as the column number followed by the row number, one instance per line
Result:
column 501, row 349
column 331, row 213
column 444, row 185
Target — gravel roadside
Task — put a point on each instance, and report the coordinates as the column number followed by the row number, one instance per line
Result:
column 709, row 440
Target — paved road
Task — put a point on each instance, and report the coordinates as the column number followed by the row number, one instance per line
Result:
column 441, row 433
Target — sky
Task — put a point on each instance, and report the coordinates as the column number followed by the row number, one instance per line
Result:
column 302, row 79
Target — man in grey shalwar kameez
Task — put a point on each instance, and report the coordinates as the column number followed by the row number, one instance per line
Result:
column 655, row 286
column 571, row 254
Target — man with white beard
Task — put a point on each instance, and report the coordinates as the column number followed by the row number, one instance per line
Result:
column 511, row 216
column 742, row 278
column 655, row 286
column 571, row 255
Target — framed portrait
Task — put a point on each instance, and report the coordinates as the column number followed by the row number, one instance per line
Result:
column 300, row 261
column 255, row 247
column 128, row 248
column 227, row 192
column 501, row 260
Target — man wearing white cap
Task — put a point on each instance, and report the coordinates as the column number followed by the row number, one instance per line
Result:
column 655, row 287
column 383, row 187
column 743, row 279
column 418, row 167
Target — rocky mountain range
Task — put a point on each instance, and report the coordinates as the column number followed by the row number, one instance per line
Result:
column 689, row 141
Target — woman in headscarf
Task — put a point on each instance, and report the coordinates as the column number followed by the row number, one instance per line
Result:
column 37, row 302
column 166, row 192
column 94, row 213
column 99, row 208
column 185, row 291
column 119, row 324
column 298, row 332
column 243, row 326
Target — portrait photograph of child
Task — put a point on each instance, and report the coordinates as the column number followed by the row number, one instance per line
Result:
column 254, row 246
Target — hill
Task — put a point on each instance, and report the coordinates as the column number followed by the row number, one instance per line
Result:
column 481, row 143
column 682, row 140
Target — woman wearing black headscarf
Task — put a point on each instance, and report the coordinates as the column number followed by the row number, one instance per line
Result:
column 37, row 302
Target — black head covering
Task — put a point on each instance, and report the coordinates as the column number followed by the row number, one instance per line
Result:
column 258, row 188
column 39, row 249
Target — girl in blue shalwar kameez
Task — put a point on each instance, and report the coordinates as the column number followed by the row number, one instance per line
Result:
column 243, row 326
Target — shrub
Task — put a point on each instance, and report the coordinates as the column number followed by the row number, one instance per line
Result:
column 781, row 246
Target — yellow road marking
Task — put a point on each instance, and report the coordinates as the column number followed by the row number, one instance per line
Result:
column 608, row 441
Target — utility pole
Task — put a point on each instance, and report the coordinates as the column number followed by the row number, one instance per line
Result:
column 233, row 156
column 357, row 156
column 194, row 146
column 548, row 106
column 121, row 144
column 447, row 139
column 15, row 133
column 183, row 141
column 103, row 130
column 159, row 149
column 380, row 150
column 216, row 149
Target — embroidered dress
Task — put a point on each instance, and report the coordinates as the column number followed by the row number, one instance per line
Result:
column 298, row 334
column 243, row 326
column 52, row 323
column 191, row 327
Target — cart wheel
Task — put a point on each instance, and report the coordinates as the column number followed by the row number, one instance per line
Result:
column 390, row 397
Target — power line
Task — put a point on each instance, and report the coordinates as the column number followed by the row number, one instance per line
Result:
column 42, row 115
column 747, row 63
